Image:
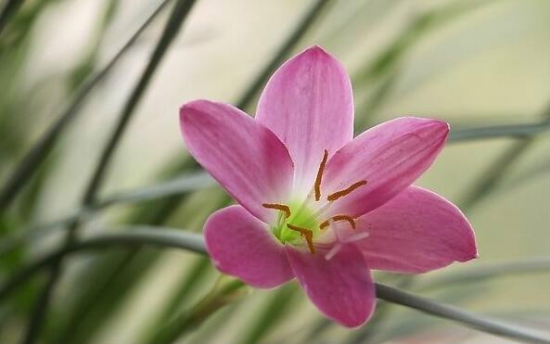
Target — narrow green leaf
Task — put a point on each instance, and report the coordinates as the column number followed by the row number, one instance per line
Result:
column 191, row 319
column 494, row 174
column 482, row 272
column 499, row 131
column 273, row 313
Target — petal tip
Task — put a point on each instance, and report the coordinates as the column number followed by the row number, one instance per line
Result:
column 316, row 52
column 316, row 49
column 190, row 107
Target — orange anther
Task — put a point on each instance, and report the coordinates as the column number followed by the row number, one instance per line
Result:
column 284, row 208
column 319, row 177
column 306, row 233
column 346, row 191
column 347, row 218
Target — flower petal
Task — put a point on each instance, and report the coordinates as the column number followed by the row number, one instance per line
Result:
column 416, row 231
column 308, row 104
column 389, row 157
column 240, row 245
column 246, row 158
column 342, row 287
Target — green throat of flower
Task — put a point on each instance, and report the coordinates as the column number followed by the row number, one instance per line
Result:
column 297, row 221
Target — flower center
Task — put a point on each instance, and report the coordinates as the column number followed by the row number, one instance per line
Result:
column 302, row 222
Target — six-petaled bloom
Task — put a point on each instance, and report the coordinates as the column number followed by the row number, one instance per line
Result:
column 316, row 203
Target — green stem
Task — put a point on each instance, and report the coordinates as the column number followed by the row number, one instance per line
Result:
column 167, row 238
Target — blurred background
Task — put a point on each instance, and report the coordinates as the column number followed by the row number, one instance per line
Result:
column 475, row 64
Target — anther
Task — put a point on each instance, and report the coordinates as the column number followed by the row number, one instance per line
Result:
column 347, row 218
column 281, row 207
column 346, row 191
column 306, row 233
column 319, row 177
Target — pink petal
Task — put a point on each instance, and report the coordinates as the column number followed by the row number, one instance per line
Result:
column 308, row 104
column 389, row 157
column 240, row 245
column 416, row 231
column 246, row 158
column 342, row 287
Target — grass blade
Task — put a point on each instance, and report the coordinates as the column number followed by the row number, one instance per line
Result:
column 498, row 131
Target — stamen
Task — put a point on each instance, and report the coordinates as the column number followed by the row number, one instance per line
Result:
column 347, row 191
column 284, row 208
column 347, row 218
column 306, row 233
column 320, row 176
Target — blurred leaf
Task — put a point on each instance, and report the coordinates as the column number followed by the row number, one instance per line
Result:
column 29, row 163
column 493, row 175
column 513, row 130
column 482, row 272
column 189, row 320
column 383, row 71
column 190, row 281
column 281, row 302
column 8, row 10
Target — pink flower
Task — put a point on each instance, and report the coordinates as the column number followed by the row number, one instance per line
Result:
column 316, row 203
